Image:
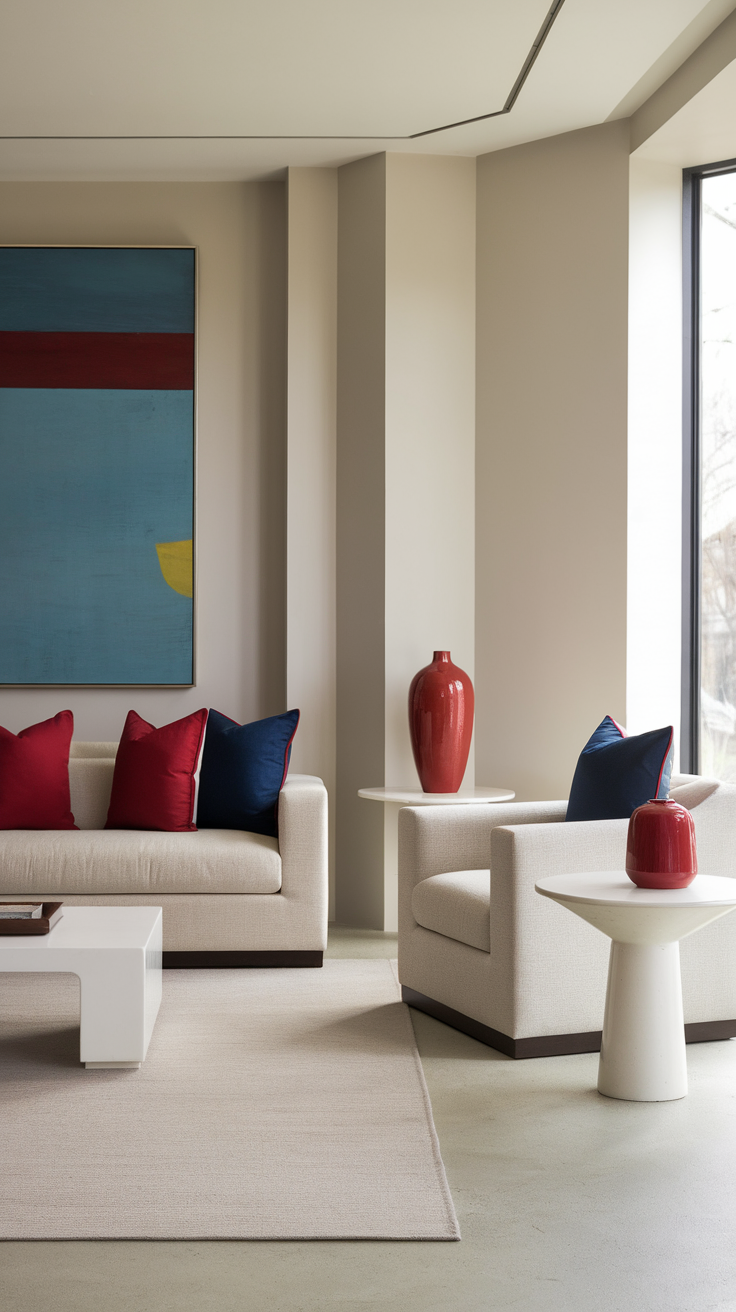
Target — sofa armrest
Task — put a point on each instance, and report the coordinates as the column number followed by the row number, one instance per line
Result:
column 435, row 839
column 303, row 847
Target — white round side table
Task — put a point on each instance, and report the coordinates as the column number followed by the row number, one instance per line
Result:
column 415, row 796
column 394, row 799
column 643, row 1047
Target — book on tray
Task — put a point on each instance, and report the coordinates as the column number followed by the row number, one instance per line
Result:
column 21, row 910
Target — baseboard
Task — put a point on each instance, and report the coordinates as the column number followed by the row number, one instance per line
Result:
column 709, row 1031
column 546, row 1045
column 229, row 960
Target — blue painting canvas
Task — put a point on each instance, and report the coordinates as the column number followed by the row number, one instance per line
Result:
column 96, row 465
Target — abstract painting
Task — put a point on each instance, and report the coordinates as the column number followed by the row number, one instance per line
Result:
column 96, row 465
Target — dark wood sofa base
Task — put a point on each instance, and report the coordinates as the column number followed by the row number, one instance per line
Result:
column 546, row 1045
column 229, row 960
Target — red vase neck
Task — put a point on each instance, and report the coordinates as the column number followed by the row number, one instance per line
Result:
column 441, row 656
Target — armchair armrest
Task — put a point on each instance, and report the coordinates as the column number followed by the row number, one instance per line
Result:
column 435, row 839
column 547, row 966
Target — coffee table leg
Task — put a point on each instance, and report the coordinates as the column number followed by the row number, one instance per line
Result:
column 120, row 995
column 643, row 1047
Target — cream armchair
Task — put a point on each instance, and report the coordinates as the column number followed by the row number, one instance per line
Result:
column 481, row 951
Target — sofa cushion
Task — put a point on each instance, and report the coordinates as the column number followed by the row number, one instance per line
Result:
column 457, row 905
column 154, row 784
column 128, row 861
column 82, row 748
column 34, row 775
column 90, row 782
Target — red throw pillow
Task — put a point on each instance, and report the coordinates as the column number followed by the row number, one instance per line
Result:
column 154, row 784
column 34, row 775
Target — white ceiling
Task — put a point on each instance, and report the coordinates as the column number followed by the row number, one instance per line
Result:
column 98, row 85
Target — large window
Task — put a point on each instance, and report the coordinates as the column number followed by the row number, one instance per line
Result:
column 711, row 470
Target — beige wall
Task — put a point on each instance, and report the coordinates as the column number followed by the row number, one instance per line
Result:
column 311, row 453
column 405, row 469
column 430, row 430
column 551, row 454
column 430, row 447
column 239, row 230
column 361, row 320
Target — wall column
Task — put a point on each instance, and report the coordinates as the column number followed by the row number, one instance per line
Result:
column 553, row 221
column 406, row 440
column 310, row 513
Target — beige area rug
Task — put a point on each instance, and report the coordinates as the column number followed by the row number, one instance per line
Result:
column 273, row 1104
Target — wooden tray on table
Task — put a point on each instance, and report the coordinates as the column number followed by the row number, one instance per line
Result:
column 40, row 925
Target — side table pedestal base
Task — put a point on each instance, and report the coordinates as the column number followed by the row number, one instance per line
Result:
column 643, row 1046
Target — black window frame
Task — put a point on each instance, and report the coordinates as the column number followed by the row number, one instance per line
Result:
column 691, row 448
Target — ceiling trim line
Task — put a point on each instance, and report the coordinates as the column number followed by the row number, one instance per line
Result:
column 509, row 103
column 513, row 95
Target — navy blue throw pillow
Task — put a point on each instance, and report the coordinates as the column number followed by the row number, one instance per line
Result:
column 615, row 774
column 243, row 770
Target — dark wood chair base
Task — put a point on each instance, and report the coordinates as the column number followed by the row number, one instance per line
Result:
column 223, row 960
column 546, row 1045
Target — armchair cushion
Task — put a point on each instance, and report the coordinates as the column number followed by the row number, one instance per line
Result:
column 458, row 905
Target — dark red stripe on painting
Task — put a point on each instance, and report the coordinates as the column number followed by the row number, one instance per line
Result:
column 160, row 361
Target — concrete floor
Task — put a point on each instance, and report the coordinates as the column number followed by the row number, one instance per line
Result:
column 568, row 1202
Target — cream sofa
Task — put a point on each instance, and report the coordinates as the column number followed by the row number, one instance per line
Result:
column 228, row 897
column 482, row 951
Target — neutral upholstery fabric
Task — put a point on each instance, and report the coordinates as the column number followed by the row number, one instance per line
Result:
column 546, row 971
column 273, row 1104
column 140, row 861
column 90, row 782
column 143, row 868
column 217, row 922
column 82, row 749
column 457, row 904
column 693, row 793
column 678, row 780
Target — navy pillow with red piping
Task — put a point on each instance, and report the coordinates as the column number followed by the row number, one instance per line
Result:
column 244, row 768
column 616, row 773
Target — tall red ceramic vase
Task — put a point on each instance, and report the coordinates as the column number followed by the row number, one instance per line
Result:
column 660, row 847
column 441, row 708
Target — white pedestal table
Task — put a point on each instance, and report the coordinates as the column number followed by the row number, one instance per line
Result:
column 394, row 799
column 116, row 952
column 643, row 1046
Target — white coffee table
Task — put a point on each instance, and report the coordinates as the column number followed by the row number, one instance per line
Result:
column 116, row 952
column 643, row 1047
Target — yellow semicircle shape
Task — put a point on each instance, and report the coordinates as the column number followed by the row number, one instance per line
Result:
column 175, row 559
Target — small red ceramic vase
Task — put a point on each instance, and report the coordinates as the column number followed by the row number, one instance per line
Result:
column 441, row 707
column 660, row 848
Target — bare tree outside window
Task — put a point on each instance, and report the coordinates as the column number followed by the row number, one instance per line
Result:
column 718, row 477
